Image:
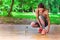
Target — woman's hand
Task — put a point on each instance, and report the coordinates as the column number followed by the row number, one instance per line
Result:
column 47, row 31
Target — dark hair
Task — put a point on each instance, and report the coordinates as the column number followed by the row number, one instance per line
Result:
column 41, row 5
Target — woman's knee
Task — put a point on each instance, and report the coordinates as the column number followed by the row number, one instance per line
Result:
column 32, row 24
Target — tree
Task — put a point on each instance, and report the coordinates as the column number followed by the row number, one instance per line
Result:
column 11, row 8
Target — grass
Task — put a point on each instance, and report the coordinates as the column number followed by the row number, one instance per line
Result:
column 54, row 18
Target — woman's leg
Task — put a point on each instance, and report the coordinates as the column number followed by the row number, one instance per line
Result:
column 34, row 24
column 43, row 20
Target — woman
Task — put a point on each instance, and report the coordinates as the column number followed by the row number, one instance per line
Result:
column 42, row 19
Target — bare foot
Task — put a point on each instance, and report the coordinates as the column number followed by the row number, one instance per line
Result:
column 43, row 32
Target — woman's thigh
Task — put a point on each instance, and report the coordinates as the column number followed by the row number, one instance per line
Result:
column 35, row 24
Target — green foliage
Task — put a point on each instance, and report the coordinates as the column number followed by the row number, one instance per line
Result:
column 5, row 5
column 30, row 5
column 54, row 18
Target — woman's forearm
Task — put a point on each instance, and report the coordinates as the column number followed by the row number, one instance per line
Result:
column 48, row 25
column 38, row 21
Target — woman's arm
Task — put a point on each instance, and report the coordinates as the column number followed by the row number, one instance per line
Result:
column 48, row 19
column 37, row 16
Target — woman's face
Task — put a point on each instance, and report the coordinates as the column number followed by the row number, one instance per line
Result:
column 41, row 9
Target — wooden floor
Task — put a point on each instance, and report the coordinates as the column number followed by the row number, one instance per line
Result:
column 26, row 32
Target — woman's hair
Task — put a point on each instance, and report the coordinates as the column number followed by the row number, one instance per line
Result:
column 41, row 5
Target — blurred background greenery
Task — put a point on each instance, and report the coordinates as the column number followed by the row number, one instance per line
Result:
column 25, row 9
